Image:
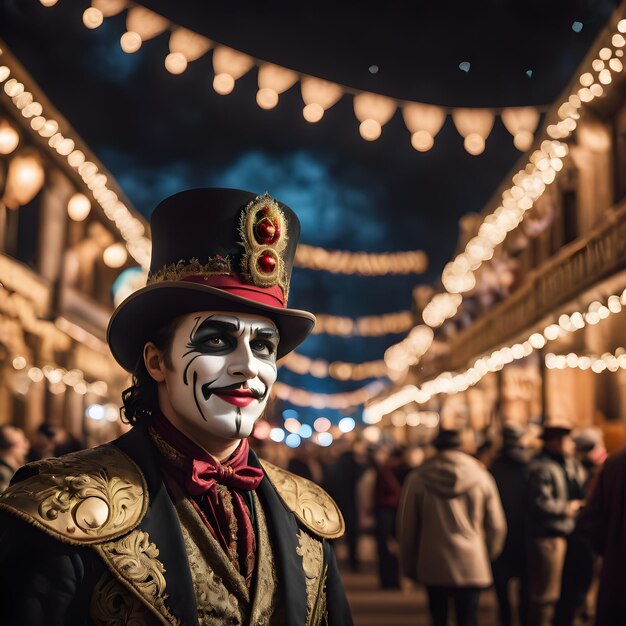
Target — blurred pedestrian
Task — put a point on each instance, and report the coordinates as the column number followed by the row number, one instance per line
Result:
column 581, row 572
column 450, row 526
column 390, row 473
column 342, row 482
column 43, row 443
column 14, row 447
column 601, row 529
column 509, row 471
column 555, row 495
column 591, row 453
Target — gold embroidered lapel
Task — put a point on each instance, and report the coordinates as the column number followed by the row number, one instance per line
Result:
column 312, row 552
column 265, row 589
column 133, row 560
column 210, row 556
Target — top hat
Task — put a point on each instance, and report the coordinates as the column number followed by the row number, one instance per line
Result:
column 511, row 435
column 214, row 249
column 555, row 428
column 447, row 439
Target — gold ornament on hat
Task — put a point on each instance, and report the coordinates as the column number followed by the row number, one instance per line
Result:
column 263, row 230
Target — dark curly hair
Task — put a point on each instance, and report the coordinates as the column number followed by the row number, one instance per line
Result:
column 140, row 401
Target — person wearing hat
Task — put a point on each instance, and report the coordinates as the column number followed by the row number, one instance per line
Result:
column 178, row 521
column 509, row 471
column 450, row 525
column 555, row 494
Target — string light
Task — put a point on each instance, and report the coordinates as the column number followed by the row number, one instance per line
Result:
column 372, row 110
column 338, row 401
column 59, row 378
column 451, row 383
column 363, row 263
column 368, row 326
column 130, row 227
column 319, row 368
column 529, row 184
column 597, row 364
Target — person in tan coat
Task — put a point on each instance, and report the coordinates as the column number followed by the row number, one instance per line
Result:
column 450, row 527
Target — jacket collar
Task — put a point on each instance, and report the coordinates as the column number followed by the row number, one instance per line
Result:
column 284, row 531
column 162, row 526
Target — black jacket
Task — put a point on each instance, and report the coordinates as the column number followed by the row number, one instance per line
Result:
column 44, row 581
column 552, row 483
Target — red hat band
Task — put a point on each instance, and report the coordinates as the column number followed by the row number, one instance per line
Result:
column 270, row 296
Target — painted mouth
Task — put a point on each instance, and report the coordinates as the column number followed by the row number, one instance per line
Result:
column 236, row 394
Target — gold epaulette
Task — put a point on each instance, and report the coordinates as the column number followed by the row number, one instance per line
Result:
column 86, row 497
column 309, row 502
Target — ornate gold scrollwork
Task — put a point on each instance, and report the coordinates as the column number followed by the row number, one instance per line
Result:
column 84, row 498
column 133, row 559
column 309, row 502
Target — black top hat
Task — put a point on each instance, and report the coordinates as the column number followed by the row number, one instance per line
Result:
column 511, row 435
column 214, row 249
column 447, row 439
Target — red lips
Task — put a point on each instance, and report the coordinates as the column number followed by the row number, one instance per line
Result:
column 237, row 397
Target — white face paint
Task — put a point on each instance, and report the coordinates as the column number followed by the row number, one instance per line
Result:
column 223, row 367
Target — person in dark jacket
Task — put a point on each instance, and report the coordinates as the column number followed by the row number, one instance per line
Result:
column 390, row 473
column 341, row 483
column 178, row 521
column 555, row 494
column 509, row 471
column 601, row 530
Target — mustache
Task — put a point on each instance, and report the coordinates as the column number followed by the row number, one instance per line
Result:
column 208, row 390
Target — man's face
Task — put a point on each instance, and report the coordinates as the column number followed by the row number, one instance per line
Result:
column 223, row 366
column 21, row 445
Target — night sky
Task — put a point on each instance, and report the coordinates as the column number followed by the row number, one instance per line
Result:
column 158, row 133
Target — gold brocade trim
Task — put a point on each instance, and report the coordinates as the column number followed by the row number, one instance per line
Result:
column 168, row 451
column 312, row 552
column 266, row 586
column 82, row 498
column 309, row 502
column 254, row 248
column 133, row 559
column 227, row 500
column 113, row 605
column 221, row 592
column 215, row 266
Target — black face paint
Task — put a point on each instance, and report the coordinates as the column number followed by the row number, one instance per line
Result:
column 195, row 395
column 225, row 335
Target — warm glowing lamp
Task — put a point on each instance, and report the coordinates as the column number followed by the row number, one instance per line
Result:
column 115, row 255
column 9, row 138
column 229, row 65
column 92, row 18
column 175, row 63
column 78, row 207
column 424, row 121
column 223, row 83
column 25, row 178
column 373, row 111
column 266, row 98
column 130, row 42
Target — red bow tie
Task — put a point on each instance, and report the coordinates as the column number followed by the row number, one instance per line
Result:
column 205, row 474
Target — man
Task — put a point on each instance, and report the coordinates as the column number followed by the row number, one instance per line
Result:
column 509, row 471
column 450, row 526
column 14, row 447
column 178, row 522
column 601, row 530
column 555, row 494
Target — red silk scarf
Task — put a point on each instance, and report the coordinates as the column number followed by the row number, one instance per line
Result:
column 215, row 489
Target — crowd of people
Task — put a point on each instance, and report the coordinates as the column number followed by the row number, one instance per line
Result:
column 539, row 519
column 531, row 512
